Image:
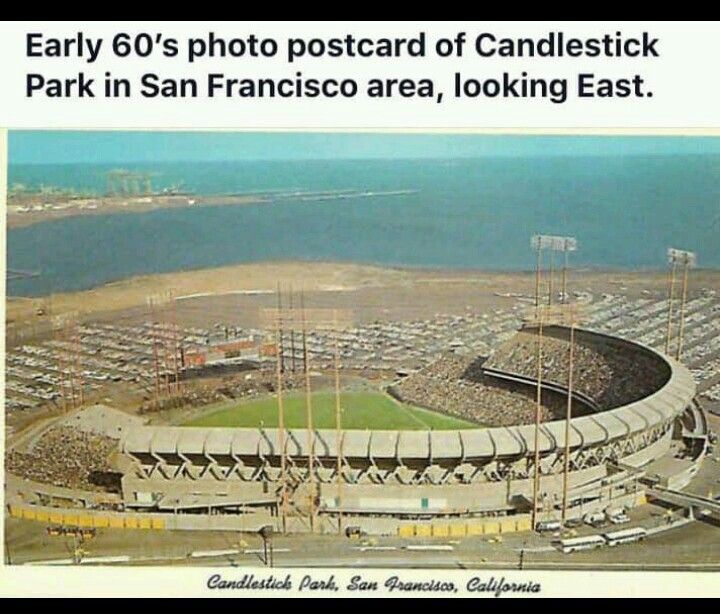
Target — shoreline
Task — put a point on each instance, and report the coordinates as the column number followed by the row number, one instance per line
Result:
column 23, row 214
column 261, row 280
column 29, row 210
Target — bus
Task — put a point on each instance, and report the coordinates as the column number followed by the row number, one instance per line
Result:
column 628, row 536
column 590, row 542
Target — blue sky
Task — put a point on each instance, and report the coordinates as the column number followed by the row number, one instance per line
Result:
column 38, row 147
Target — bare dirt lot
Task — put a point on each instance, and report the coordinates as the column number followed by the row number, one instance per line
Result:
column 234, row 295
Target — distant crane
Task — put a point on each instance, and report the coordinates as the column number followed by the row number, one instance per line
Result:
column 121, row 182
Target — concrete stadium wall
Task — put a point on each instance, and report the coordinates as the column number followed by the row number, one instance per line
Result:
column 369, row 505
column 89, row 519
column 451, row 499
column 651, row 452
column 18, row 490
column 440, row 500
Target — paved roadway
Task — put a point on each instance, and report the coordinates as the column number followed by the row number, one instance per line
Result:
column 696, row 546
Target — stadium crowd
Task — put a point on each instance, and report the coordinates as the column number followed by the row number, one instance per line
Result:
column 605, row 373
column 64, row 457
column 455, row 385
column 243, row 386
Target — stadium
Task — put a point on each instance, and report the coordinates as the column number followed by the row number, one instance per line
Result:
column 550, row 423
column 635, row 427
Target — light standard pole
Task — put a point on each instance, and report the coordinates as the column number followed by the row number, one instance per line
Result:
column 687, row 260
column 564, row 245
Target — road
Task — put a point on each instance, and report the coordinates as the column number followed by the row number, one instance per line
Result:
column 693, row 547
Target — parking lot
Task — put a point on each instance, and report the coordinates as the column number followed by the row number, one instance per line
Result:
column 104, row 353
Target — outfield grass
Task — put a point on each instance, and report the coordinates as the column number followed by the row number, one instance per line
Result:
column 361, row 411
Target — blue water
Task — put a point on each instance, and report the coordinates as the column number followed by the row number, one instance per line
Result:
column 477, row 213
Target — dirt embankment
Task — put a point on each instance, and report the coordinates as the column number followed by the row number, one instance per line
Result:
column 252, row 279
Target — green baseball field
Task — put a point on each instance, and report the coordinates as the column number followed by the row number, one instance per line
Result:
column 360, row 411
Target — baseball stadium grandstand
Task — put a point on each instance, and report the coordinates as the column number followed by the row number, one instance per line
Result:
column 551, row 423
column 630, row 404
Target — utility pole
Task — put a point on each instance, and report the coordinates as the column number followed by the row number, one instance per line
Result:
column 538, row 266
column 266, row 533
column 72, row 364
column 566, row 255
column 309, row 415
column 78, row 362
column 8, row 554
column 156, row 359
column 281, row 340
column 175, row 342
column 281, row 430
column 61, row 366
column 292, row 336
column 568, row 418
column 551, row 281
column 166, row 350
column 538, row 418
column 338, row 424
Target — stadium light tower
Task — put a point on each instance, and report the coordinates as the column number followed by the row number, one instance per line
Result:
column 568, row 315
column 156, row 358
column 550, row 315
column 281, row 423
column 553, row 244
column 339, row 439
column 671, row 299
column 538, row 417
column 292, row 337
column 572, row 316
column 166, row 341
column 688, row 260
column 281, row 336
column 68, row 355
column 58, row 327
column 309, row 414
column 570, row 244
column 303, row 320
column 176, row 342
column 77, row 352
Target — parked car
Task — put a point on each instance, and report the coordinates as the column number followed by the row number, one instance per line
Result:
column 549, row 526
column 618, row 517
column 596, row 520
column 573, row 523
